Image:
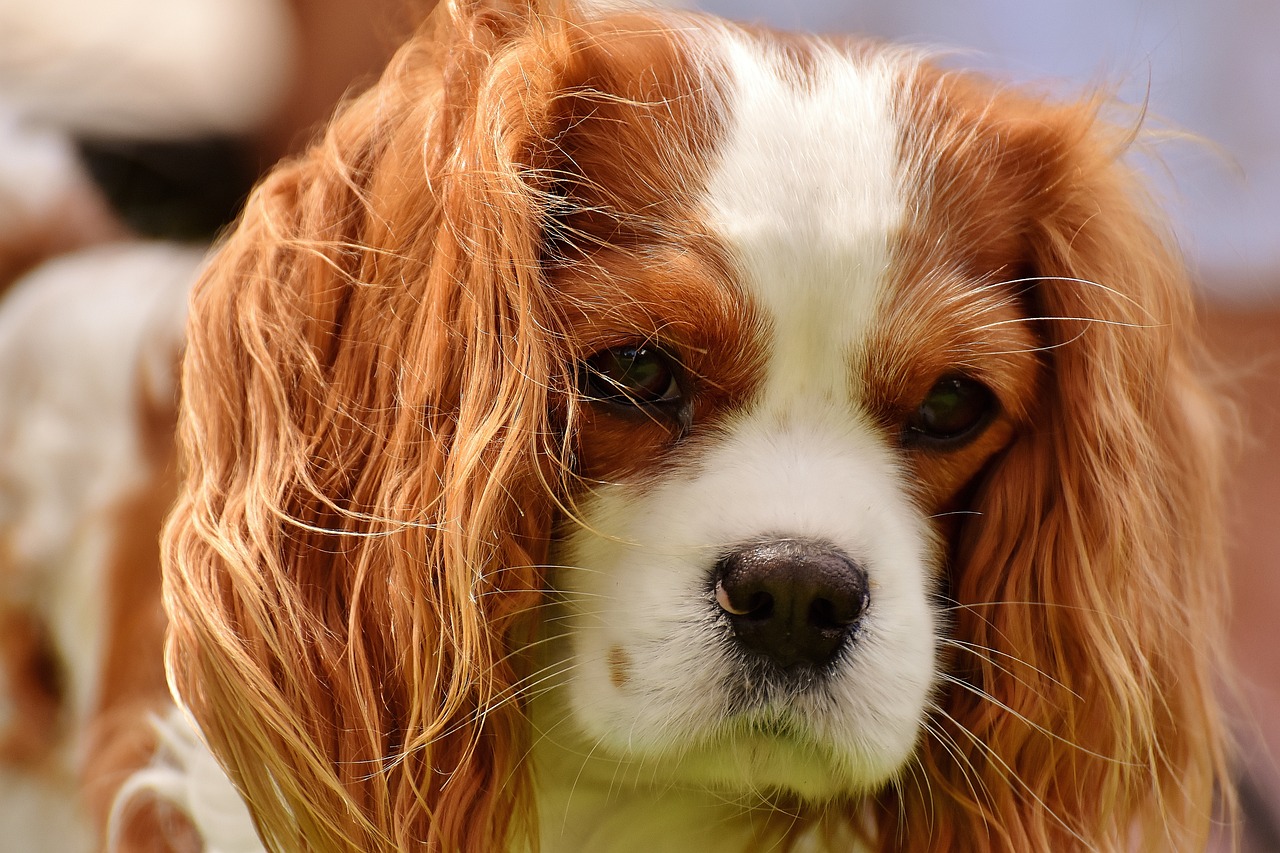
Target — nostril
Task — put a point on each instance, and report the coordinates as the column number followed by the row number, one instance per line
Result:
column 792, row 601
column 822, row 614
column 825, row 613
column 755, row 604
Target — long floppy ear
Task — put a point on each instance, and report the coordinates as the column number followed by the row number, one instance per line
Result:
column 366, row 396
column 1088, row 584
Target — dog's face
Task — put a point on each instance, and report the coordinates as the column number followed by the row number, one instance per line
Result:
column 781, row 415
column 840, row 407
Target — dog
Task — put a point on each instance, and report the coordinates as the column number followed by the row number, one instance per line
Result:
column 629, row 430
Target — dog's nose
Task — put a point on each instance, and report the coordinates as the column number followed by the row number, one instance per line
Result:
column 792, row 601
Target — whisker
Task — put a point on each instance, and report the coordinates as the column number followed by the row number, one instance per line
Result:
column 1073, row 280
column 1016, row 321
column 968, row 772
column 987, row 697
column 1009, row 773
column 1049, row 605
column 983, row 651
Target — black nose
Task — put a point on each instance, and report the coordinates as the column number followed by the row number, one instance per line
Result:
column 792, row 601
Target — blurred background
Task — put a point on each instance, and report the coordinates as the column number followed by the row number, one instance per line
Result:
column 154, row 117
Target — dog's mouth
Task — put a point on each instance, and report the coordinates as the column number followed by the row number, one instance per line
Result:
column 778, row 726
column 770, row 752
column 761, row 690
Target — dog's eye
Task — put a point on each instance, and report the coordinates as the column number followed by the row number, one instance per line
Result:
column 631, row 376
column 955, row 409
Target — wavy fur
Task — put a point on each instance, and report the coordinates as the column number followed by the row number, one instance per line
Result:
column 364, row 443
column 1080, row 711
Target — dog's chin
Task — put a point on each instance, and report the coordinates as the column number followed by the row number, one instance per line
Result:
column 768, row 766
column 751, row 759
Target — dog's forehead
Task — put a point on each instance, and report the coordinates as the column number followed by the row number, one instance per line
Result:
column 786, row 210
column 807, row 194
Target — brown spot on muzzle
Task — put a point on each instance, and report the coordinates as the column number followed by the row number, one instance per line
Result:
column 619, row 667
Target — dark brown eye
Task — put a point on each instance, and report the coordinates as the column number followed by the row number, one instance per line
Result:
column 955, row 410
column 630, row 376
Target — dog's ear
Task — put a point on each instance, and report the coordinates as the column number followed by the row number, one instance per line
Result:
column 1088, row 582
column 365, row 429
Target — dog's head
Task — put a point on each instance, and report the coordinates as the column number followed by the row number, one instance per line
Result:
column 791, row 418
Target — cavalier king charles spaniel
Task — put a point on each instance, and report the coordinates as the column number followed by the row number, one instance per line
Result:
column 626, row 430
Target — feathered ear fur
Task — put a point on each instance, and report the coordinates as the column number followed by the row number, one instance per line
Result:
column 1088, row 584
column 365, row 403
